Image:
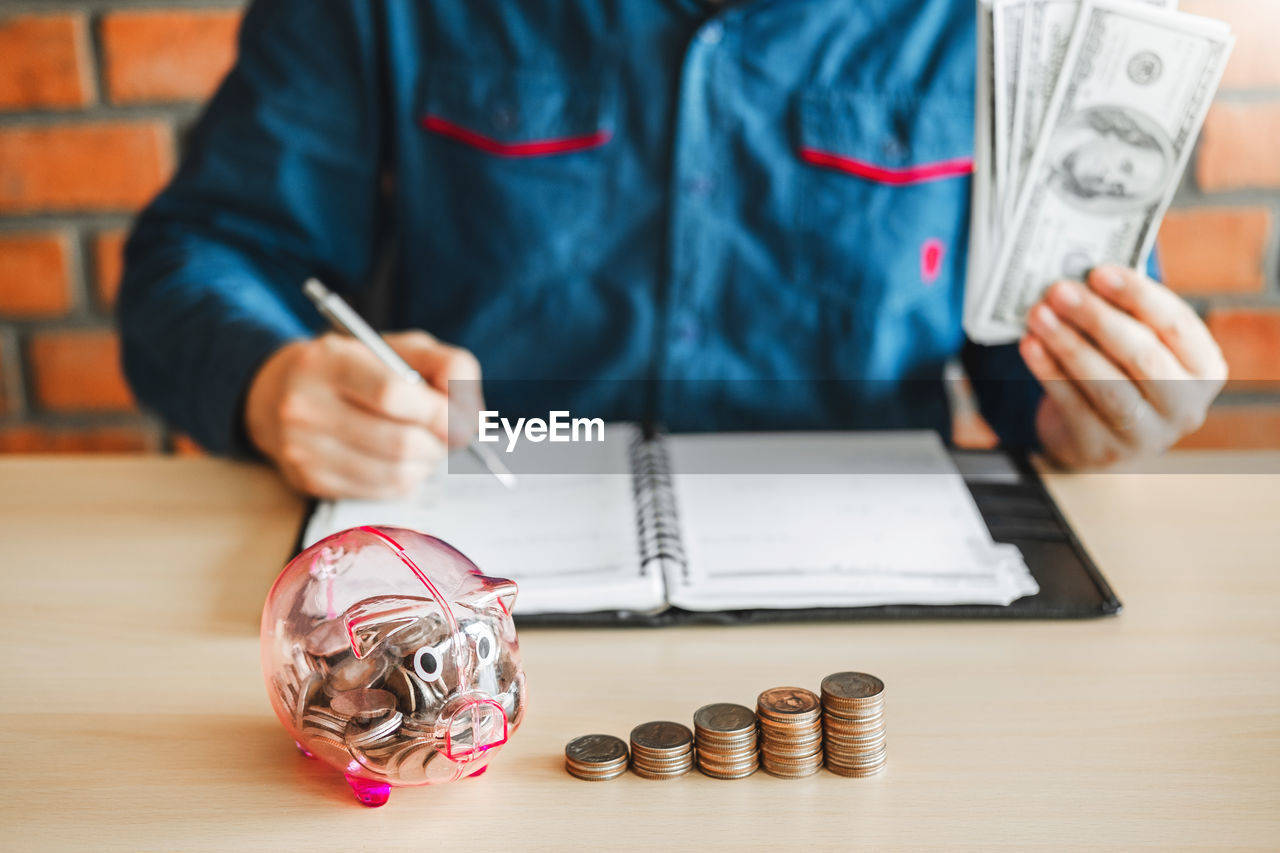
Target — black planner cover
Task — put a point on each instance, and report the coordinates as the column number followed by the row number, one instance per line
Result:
column 1017, row 509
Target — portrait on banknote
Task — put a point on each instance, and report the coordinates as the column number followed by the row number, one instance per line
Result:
column 1110, row 159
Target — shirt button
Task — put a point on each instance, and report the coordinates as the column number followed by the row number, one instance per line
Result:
column 504, row 118
column 687, row 330
column 699, row 185
column 893, row 148
column 712, row 33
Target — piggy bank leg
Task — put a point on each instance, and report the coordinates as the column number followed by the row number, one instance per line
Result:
column 479, row 772
column 306, row 753
column 372, row 794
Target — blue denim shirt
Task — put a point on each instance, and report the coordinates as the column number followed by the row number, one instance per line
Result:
column 766, row 202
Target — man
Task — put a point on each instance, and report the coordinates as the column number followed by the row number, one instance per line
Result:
column 764, row 204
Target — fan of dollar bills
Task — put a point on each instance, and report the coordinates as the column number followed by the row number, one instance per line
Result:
column 1087, row 112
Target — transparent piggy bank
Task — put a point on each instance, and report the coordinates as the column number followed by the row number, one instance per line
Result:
column 390, row 657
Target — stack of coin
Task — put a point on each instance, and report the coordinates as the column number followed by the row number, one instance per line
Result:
column 725, row 737
column 853, row 722
column 790, row 732
column 596, row 757
column 661, row 750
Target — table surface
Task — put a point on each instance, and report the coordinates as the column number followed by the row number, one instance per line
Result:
column 134, row 714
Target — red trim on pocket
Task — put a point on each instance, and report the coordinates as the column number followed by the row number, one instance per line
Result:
column 533, row 148
column 908, row 175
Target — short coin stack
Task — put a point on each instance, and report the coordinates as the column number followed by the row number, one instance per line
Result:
column 596, row 757
column 853, row 722
column 790, row 732
column 725, row 735
column 661, row 750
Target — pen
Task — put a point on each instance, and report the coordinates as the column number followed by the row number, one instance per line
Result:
column 345, row 319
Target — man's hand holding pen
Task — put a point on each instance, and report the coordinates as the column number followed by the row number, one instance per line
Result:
column 337, row 422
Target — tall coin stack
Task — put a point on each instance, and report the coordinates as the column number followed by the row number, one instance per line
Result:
column 661, row 750
column 725, row 736
column 853, row 721
column 790, row 732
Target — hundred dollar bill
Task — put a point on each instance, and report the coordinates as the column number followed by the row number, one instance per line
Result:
column 1135, row 87
column 981, row 226
column 1006, row 46
column 1047, row 30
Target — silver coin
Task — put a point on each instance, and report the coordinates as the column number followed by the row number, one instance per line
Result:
column 725, row 718
column 661, row 735
column 856, row 686
column 328, row 638
column 352, row 673
column 363, row 702
column 360, row 733
column 596, row 749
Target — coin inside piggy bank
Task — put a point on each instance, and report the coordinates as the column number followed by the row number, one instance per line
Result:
column 388, row 655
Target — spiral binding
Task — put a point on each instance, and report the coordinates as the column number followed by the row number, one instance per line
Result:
column 657, row 516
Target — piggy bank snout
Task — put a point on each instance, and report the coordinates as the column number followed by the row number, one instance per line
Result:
column 474, row 724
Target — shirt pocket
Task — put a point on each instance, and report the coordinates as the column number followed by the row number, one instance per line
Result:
column 884, row 198
column 519, row 158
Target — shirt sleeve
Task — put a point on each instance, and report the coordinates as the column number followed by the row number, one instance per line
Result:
column 278, row 182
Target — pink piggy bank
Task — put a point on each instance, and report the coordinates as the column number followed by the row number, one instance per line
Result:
column 389, row 656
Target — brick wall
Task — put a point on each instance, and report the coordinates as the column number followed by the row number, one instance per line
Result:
column 95, row 94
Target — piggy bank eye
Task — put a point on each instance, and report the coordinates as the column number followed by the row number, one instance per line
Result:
column 486, row 645
column 428, row 664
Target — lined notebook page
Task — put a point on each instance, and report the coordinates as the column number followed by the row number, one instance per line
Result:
column 831, row 520
column 568, row 540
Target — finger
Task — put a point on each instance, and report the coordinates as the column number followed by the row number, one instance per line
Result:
column 453, row 371
column 328, row 467
column 438, row 362
column 1112, row 394
column 1128, row 343
column 361, row 378
column 1076, row 435
column 384, row 438
column 1170, row 317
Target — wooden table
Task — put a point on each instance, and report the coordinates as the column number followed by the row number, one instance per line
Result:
column 134, row 714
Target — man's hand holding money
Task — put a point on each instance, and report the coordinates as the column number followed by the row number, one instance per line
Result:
column 1127, row 366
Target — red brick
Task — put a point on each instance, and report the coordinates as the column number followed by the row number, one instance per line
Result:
column 78, row 371
column 1215, row 249
column 1240, row 427
column 44, row 62
column 167, row 55
column 108, row 264
column 1250, row 340
column 113, row 439
column 35, row 274
column 114, row 165
column 1238, row 147
column 1255, row 24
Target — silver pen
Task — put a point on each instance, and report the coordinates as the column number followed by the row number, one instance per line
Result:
column 345, row 319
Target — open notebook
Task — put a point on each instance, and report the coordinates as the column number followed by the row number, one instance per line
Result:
column 813, row 520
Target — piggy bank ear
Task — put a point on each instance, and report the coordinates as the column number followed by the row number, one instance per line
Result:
column 372, row 621
column 499, row 592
